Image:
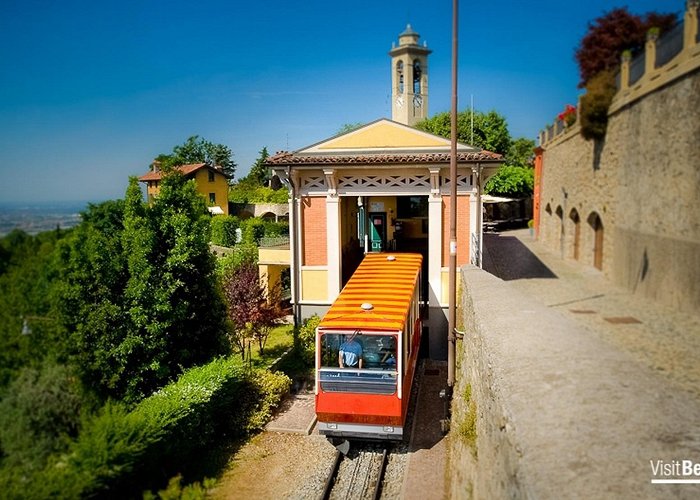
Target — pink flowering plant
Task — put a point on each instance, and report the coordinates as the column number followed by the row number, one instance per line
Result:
column 568, row 116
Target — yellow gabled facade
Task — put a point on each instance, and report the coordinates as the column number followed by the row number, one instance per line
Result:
column 211, row 183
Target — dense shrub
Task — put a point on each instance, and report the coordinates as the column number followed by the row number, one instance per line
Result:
column 275, row 229
column 305, row 339
column 253, row 230
column 176, row 491
column 223, row 230
column 241, row 254
column 270, row 388
column 600, row 91
column 121, row 453
column 250, row 192
column 39, row 415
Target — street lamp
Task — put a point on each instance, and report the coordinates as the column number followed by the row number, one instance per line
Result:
column 26, row 329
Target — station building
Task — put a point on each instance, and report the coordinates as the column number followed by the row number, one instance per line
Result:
column 383, row 187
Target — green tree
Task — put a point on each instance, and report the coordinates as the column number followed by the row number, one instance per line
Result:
column 521, row 152
column 259, row 173
column 106, row 216
column 349, row 127
column 90, row 299
column 39, row 414
column 490, row 129
column 511, row 182
column 515, row 179
column 176, row 310
column 198, row 150
column 142, row 302
column 26, row 284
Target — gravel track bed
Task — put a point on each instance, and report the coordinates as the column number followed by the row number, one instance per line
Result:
column 295, row 466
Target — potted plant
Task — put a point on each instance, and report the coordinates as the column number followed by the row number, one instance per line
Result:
column 568, row 116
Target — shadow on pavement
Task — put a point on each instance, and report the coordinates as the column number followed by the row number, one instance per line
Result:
column 509, row 259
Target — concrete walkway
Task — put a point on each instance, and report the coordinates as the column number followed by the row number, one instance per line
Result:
column 655, row 336
column 425, row 470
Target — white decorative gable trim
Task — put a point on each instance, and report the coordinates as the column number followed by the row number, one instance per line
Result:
column 412, row 181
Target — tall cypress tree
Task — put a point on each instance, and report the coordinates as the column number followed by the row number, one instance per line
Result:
column 159, row 309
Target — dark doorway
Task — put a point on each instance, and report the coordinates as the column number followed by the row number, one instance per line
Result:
column 577, row 233
column 597, row 225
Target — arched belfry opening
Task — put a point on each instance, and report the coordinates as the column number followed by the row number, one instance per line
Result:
column 417, row 73
column 409, row 61
column 399, row 78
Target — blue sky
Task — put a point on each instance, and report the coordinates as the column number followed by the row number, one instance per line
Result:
column 91, row 92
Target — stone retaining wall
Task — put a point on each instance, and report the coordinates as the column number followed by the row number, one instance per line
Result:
column 643, row 181
column 544, row 409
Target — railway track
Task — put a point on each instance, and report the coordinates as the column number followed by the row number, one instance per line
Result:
column 358, row 475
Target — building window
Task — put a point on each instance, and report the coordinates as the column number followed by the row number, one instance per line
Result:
column 212, row 198
column 211, row 176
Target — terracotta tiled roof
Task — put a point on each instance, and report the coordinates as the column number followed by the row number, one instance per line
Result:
column 287, row 158
column 184, row 169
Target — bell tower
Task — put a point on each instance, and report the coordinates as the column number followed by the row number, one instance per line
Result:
column 409, row 78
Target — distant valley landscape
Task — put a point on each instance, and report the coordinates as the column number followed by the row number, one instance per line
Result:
column 34, row 218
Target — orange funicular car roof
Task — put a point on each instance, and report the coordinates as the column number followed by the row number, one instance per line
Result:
column 384, row 280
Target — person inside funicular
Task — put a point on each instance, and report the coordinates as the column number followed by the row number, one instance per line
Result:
column 388, row 351
column 350, row 353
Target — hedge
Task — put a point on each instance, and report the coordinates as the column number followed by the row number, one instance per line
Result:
column 223, row 230
column 121, row 453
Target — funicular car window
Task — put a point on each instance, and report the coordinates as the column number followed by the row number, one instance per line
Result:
column 362, row 363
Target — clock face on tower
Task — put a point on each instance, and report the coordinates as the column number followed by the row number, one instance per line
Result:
column 418, row 100
column 399, row 101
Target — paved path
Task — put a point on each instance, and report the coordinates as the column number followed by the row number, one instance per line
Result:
column 654, row 335
column 296, row 415
column 425, row 470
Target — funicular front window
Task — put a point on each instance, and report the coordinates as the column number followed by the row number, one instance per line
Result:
column 358, row 362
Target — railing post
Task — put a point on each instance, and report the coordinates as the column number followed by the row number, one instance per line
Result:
column 650, row 52
column 625, row 70
column 690, row 27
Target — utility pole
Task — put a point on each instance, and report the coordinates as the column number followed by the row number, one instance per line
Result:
column 452, row 316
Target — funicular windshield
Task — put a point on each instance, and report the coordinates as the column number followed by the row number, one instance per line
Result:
column 358, row 362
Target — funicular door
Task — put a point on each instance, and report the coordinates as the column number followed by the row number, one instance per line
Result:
column 377, row 230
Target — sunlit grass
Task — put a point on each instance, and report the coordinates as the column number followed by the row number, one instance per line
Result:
column 279, row 341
